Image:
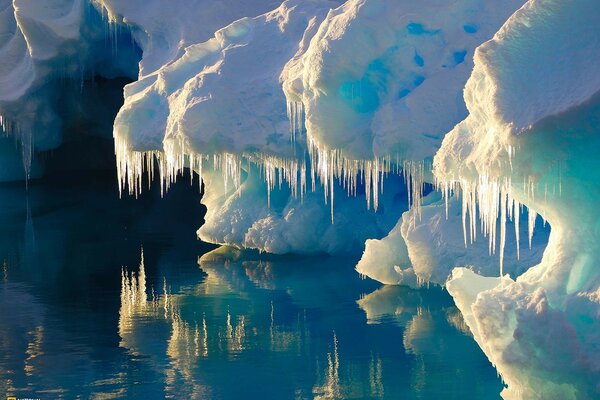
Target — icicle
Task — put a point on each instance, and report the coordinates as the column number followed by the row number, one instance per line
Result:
column 503, row 211
column 517, row 218
column 295, row 113
column 531, row 225
column 465, row 199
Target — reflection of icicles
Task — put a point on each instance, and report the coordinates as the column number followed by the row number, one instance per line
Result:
column 235, row 335
column 183, row 350
column 34, row 349
column 282, row 339
column 456, row 319
column 331, row 388
column 375, row 374
column 204, row 337
column 134, row 299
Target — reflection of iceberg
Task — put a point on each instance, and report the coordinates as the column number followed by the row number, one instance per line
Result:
column 39, row 356
column 185, row 344
column 434, row 333
column 256, row 315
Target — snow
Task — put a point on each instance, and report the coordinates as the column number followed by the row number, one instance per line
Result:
column 531, row 138
column 371, row 78
column 165, row 32
column 425, row 246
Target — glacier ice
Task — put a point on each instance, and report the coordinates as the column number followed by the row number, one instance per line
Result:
column 532, row 136
column 42, row 46
column 426, row 245
column 298, row 117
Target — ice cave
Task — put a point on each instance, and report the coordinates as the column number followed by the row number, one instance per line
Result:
column 307, row 199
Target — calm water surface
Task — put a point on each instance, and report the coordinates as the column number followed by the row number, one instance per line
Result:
column 81, row 317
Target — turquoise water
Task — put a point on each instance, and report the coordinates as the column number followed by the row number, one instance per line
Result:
column 79, row 318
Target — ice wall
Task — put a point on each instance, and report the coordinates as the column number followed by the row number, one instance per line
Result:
column 313, row 96
column 532, row 138
column 43, row 45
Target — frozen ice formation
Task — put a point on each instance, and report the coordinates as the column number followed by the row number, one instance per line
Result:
column 294, row 114
column 426, row 245
column 384, row 78
column 309, row 97
column 42, row 45
column 245, row 216
column 532, row 138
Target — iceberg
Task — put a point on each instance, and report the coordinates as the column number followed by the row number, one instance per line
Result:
column 296, row 116
column 531, row 138
column 309, row 97
column 425, row 246
column 43, row 46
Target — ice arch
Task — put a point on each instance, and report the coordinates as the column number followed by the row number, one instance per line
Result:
column 532, row 136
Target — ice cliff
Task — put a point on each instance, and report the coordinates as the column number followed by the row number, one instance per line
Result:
column 531, row 138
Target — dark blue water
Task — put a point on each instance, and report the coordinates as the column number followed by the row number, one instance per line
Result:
column 80, row 318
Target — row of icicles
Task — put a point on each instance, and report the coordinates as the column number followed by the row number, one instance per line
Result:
column 327, row 167
column 489, row 200
column 486, row 200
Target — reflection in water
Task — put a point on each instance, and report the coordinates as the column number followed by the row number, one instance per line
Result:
column 331, row 389
column 76, row 324
column 260, row 316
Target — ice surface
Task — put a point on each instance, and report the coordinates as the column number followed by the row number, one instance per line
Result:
column 331, row 80
column 532, row 136
column 424, row 247
column 42, row 45
column 164, row 32
column 383, row 78
column 242, row 217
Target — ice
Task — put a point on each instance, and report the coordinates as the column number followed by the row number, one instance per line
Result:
column 425, row 246
column 42, row 46
column 236, row 86
column 266, row 91
column 303, row 118
column 244, row 217
column 531, row 137
column 365, row 54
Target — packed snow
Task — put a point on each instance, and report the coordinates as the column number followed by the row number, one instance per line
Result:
column 532, row 138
